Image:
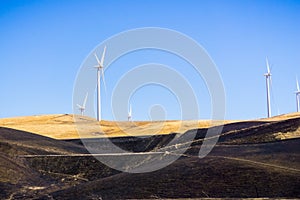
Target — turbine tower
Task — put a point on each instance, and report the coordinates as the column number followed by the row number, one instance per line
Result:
column 298, row 96
column 82, row 108
column 129, row 113
column 100, row 72
column 268, row 84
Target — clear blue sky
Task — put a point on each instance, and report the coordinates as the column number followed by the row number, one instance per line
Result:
column 44, row 42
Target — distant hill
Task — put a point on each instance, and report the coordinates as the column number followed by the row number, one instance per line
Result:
column 62, row 126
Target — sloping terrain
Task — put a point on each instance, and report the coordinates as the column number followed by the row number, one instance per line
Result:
column 191, row 177
column 16, row 175
column 29, row 143
column 250, row 160
column 63, row 126
column 263, row 132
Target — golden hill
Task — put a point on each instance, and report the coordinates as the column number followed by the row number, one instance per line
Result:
column 63, row 126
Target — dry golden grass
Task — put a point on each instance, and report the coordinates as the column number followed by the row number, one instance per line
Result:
column 282, row 117
column 63, row 126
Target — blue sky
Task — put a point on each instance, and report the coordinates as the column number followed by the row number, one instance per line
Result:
column 43, row 43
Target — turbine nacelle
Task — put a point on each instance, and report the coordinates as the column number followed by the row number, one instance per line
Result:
column 267, row 74
column 80, row 107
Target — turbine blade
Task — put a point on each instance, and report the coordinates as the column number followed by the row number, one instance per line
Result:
column 97, row 58
column 103, row 55
column 103, row 79
column 298, row 89
column 268, row 66
column 86, row 96
column 130, row 111
column 79, row 106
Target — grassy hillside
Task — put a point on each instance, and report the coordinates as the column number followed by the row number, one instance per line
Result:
column 62, row 126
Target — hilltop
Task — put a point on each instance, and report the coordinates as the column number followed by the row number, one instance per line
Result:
column 62, row 126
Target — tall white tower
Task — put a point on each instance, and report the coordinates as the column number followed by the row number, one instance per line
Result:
column 100, row 72
column 297, row 96
column 268, row 83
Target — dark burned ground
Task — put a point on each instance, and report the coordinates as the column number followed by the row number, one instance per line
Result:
column 214, row 176
column 247, row 162
column 192, row 177
column 16, row 175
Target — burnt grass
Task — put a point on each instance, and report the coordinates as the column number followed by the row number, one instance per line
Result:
column 214, row 176
column 192, row 177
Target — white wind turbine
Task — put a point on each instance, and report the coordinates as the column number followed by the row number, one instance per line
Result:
column 82, row 107
column 129, row 113
column 298, row 96
column 268, row 85
column 100, row 72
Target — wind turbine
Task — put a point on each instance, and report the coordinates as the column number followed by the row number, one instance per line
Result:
column 100, row 72
column 129, row 113
column 82, row 108
column 298, row 95
column 268, row 84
